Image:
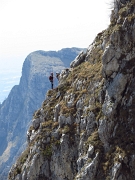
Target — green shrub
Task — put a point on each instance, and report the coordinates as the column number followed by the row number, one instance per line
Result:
column 47, row 152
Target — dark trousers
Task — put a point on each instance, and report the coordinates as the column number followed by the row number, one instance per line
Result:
column 52, row 84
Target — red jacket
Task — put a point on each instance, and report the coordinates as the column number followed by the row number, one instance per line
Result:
column 51, row 78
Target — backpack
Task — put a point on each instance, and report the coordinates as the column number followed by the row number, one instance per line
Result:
column 51, row 78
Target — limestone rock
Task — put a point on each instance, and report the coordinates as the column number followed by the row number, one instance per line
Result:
column 78, row 60
column 105, row 132
column 36, row 123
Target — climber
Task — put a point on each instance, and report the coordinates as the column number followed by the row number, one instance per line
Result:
column 51, row 79
column 57, row 75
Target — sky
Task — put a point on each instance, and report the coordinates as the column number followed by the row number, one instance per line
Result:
column 30, row 25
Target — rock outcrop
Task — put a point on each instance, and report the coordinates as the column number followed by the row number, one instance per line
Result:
column 17, row 110
column 88, row 131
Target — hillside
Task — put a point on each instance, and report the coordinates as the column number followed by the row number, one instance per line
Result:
column 17, row 110
column 85, row 128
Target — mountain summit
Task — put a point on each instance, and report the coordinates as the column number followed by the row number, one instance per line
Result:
column 85, row 129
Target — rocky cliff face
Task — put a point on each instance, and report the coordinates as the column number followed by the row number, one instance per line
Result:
column 17, row 110
column 85, row 129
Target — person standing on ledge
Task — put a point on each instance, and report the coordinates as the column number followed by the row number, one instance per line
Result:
column 57, row 75
column 51, row 79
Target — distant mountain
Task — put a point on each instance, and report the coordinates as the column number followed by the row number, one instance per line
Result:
column 8, row 78
column 64, row 54
column 17, row 110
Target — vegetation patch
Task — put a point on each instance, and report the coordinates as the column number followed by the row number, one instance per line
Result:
column 47, row 124
column 47, row 152
column 95, row 141
column 55, row 125
column 36, row 114
column 67, row 111
column 22, row 159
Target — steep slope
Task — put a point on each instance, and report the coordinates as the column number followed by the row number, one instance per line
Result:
column 85, row 129
column 16, row 111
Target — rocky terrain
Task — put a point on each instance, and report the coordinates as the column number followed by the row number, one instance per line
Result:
column 85, row 128
column 16, row 111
